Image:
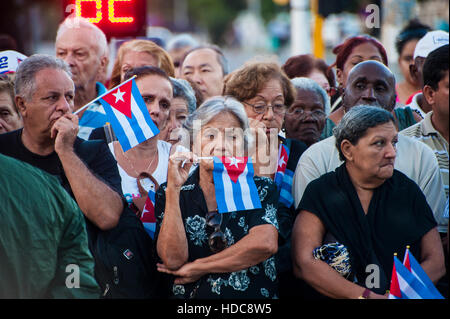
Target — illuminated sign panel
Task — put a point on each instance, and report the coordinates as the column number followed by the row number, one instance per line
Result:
column 117, row 18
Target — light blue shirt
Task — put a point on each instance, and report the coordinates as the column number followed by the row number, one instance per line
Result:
column 93, row 117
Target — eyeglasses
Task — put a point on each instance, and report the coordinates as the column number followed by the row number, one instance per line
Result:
column 262, row 108
column 217, row 241
column 301, row 113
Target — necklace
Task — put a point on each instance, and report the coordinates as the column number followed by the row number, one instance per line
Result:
column 130, row 163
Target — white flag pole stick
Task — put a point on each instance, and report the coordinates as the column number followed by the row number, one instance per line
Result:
column 99, row 97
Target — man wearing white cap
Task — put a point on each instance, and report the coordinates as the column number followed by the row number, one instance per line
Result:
column 9, row 61
column 430, row 42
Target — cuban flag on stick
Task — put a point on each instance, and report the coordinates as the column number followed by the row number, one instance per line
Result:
column 234, row 184
column 404, row 285
column 148, row 218
column 417, row 271
column 126, row 111
column 284, row 177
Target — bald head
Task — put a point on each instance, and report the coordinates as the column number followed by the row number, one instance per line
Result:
column 83, row 46
column 370, row 83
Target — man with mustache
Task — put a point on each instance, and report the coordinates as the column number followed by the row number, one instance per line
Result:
column 372, row 83
column 44, row 95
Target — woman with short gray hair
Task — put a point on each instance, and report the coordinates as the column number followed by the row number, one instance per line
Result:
column 211, row 254
column 357, row 217
column 305, row 118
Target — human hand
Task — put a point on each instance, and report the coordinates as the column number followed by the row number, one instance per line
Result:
column 186, row 274
column 179, row 165
column 64, row 131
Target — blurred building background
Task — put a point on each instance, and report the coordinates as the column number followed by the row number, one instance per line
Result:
column 243, row 28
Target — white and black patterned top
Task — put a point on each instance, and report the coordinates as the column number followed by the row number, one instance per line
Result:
column 259, row 281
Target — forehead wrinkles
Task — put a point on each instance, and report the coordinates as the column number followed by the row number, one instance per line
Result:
column 79, row 38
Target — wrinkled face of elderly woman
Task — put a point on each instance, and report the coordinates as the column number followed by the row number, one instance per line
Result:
column 305, row 119
column 221, row 136
column 374, row 154
column 267, row 108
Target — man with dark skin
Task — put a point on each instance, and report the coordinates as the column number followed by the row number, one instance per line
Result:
column 370, row 83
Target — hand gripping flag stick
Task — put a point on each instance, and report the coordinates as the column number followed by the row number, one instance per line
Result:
column 199, row 158
column 99, row 97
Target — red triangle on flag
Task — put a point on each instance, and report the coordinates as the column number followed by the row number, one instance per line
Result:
column 148, row 213
column 395, row 287
column 120, row 98
column 406, row 262
column 234, row 166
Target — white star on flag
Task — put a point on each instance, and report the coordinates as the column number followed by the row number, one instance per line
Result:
column 119, row 95
column 281, row 162
column 234, row 161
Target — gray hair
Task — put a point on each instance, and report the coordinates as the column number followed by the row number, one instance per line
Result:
column 307, row 84
column 357, row 121
column 182, row 89
column 181, row 41
column 215, row 106
column 24, row 84
column 79, row 22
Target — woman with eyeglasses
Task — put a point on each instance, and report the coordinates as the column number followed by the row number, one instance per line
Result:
column 213, row 255
column 267, row 93
column 305, row 118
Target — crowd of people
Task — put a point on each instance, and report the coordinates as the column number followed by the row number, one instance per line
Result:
column 364, row 158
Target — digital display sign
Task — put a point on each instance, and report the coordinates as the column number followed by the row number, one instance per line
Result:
column 117, row 18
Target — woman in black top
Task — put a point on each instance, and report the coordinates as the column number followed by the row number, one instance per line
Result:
column 367, row 206
column 267, row 93
column 212, row 255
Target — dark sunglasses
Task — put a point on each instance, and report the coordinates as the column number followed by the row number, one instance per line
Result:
column 217, row 241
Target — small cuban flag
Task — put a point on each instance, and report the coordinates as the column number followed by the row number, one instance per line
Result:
column 126, row 111
column 284, row 177
column 414, row 267
column 148, row 218
column 404, row 285
column 234, row 184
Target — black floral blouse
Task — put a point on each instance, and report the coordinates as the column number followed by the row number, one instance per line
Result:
column 259, row 281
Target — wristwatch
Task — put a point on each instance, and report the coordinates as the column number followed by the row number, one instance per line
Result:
column 365, row 294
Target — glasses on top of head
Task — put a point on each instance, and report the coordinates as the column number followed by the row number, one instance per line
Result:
column 217, row 241
column 261, row 108
column 301, row 113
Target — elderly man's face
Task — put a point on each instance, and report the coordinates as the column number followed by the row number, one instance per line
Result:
column 203, row 68
column 52, row 98
column 305, row 119
column 370, row 83
column 80, row 49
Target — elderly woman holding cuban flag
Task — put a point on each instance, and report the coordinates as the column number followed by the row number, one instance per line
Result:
column 211, row 251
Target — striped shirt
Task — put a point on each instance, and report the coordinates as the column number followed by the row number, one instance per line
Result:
column 94, row 116
column 426, row 133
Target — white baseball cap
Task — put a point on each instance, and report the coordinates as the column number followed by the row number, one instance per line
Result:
column 9, row 61
column 430, row 42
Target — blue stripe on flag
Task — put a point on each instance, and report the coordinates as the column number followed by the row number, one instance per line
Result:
column 251, row 185
column 410, row 286
column 418, row 271
column 219, row 187
column 141, row 104
column 237, row 195
column 117, row 127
